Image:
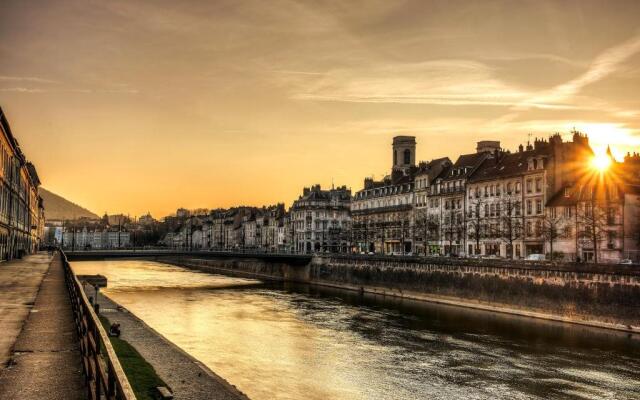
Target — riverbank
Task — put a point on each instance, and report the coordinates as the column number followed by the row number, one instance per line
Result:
column 560, row 296
column 188, row 378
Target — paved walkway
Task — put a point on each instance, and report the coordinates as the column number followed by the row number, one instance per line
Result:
column 45, row 360
column 19, row 284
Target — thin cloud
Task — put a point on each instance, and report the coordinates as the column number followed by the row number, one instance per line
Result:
column 602, row 66
column 443, row 82
column 22, row 90
column 26, row 79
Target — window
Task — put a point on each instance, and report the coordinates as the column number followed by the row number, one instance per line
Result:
column 407, row 156
column 529, row 207
column 568, row 211
column 395, row 157
column 538, row 206
column 518, row 187
column 509, row 188
column 538, row 185
column 611, row 216
column 529, row 186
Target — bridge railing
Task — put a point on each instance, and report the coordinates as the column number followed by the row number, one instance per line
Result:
column 104, row 376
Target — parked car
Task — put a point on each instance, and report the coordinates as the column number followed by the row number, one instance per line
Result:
column 626, row 261
column 536, row 257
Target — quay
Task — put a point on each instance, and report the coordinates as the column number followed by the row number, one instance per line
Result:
column 187, row 377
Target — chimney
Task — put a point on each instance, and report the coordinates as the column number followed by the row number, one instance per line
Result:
column 520, row 148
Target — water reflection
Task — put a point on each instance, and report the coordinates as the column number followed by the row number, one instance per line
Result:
column 293, row 342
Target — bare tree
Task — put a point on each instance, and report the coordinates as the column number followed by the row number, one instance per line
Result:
column 450, row 227
column 510, row 225
column 592, row 223
column 552, row 226
column 475, row 222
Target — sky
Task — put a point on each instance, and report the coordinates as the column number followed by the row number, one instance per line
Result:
column 153, row 105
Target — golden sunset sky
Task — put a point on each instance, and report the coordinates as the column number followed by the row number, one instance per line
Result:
column 148, row 106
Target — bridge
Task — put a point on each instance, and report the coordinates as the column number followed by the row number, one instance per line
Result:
column 89, row 255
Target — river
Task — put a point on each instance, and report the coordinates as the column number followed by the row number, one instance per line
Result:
column 277, row 341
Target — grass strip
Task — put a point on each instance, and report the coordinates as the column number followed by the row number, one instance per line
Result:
column 141, row 375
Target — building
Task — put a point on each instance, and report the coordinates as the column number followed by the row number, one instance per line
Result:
column 321, row 220
column 94, row 238
column 382, row 211
column 505, row 203
column 21, row 209
column 447, row 200
column 427, row 211
column 597, row 218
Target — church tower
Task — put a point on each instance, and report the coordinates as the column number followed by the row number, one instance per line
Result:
column 404, row 153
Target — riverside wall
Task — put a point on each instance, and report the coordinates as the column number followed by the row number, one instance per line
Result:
column 606, row 296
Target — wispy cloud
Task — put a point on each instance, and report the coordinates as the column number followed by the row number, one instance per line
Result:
column 33, row 79
column 602, row 66
column 444, row 82
column 22, row 90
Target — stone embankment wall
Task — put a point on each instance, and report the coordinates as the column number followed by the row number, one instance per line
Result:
column 603, row 295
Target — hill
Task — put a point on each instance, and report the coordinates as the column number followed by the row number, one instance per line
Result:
column 57, row 207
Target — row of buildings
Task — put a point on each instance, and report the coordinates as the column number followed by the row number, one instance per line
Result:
column 21, row 208
column 116, row 231
column 544, row 198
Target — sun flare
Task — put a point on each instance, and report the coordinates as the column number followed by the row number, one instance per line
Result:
column 601, row 162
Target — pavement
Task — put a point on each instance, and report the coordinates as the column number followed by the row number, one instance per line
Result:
column 44, row 358
column 19, row 284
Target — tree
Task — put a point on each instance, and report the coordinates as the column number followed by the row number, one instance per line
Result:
column 592, row 223
column 453, row 226
column 475, row 222
column 552, row 226
column 428, row 226
column 510, row 225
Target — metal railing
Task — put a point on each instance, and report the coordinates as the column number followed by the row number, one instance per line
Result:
column 104, row 376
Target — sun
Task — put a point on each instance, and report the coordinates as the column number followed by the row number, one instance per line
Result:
column 601, row 162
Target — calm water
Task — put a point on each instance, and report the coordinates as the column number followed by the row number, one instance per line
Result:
column 296, row 342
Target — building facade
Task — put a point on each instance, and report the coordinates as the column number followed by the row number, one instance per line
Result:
column 382, row 211
column 21, row 208
column 321, row 220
